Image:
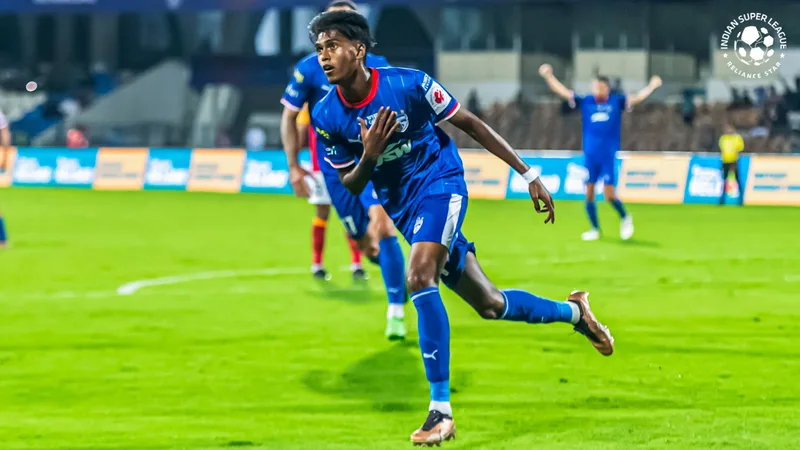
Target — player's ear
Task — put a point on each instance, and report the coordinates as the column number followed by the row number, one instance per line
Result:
column 361, row 51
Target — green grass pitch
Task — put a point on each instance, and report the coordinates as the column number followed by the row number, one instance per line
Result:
column 703, row 305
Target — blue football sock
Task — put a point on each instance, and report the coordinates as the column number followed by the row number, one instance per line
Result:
column 523, row 306
column 434, row 341
column 393, row 266
column 591, row 211
column 617, row 204
column 3, row 236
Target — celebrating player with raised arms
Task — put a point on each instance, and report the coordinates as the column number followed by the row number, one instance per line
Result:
column 362, row 215
column 380, row 126
column 601, row 114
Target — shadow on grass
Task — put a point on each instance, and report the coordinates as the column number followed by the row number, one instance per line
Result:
column 633, row 242
column 392, row 380
column 355, row 292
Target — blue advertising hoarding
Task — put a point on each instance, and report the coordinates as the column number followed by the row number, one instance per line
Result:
column 564, row 176
column 705, row 181
column 168, row 169
column 55, row 167
column 267, row 172
column 643, row 177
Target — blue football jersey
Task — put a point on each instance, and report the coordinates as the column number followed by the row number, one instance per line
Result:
column 602, row 124
column 309, row 85
column 419, row 160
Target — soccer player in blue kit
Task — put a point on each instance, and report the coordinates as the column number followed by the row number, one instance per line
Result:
column 363, row 216
column 380, row 125
column 601, row 114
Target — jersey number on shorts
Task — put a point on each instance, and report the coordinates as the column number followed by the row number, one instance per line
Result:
column 350, row 225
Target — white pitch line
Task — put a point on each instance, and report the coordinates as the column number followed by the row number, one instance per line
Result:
column 132, row 287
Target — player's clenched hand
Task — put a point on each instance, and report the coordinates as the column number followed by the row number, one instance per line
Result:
column 297, row 177
column 545, row 70
column 540, row 193
column 377, row 136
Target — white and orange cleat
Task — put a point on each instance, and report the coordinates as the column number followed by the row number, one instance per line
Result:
column 438, row 427
column 589, row 326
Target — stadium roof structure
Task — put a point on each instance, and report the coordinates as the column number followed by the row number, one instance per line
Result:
column 106, row 6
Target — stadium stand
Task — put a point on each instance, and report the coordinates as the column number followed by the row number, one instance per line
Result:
column 650, row 127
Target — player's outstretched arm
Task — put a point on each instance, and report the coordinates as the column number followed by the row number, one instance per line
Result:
column 496, row 145
column 546, row 71
column 655, row 83
column 374, row 139
column 291, row 146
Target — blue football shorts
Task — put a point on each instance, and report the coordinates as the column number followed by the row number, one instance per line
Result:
column 438, row 218
column 353, row 210
column 601, row 168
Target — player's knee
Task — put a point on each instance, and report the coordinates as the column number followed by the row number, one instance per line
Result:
column 382, row 224
column 368, row 247
column 610, row 197
column 384, row 229
column 492, row 306
column 323, row 211
column 590, row 195
column 418, row 279
column 488, row 314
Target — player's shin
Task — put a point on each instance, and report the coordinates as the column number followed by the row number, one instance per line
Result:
column 434, row 341
column 591, row 212
column 522, row 306
column 619, row 208
column 3, row 236
column 355, row 254
column 318, row 242
column 392, row 263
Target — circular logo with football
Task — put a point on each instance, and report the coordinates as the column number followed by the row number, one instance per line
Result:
column 754, row 45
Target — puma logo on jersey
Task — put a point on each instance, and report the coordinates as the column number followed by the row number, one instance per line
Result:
column 430, row 355
column 394, row 152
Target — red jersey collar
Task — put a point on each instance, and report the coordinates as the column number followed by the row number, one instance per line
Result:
column 372, row 92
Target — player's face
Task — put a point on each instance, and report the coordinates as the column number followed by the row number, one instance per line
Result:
column 599, row 89
column 338, row 56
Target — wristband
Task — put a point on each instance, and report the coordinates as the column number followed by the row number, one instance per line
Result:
column 531, row 175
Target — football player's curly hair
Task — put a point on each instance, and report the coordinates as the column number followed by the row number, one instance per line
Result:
column 343, row 3
column 350, row 24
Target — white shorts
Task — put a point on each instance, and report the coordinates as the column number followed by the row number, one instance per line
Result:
column 318, row 191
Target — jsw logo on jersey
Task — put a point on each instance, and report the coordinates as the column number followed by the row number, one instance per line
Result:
column 394, row 152
column 600, row 116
